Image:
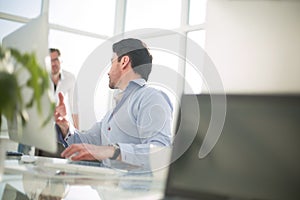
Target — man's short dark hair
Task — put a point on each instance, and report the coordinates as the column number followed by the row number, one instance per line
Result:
column 137, row 51
column 51, row 50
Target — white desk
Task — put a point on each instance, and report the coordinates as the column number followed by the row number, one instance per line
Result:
column 33, row 182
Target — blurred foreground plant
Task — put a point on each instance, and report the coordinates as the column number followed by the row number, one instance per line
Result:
column 18, row 93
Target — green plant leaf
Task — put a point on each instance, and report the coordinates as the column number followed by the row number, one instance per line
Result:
column 11, row 100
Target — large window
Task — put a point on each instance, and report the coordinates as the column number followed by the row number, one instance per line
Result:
column 152, row 14
column 75, row 48
column 78, row 27
column 197, row 12
column 7, row 27
column 27, row 9
column 96, row 16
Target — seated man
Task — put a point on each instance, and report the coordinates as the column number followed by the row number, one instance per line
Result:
column 142, row 116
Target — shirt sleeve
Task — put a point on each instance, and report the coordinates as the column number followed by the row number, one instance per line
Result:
column 73, row 98
column 92, row 136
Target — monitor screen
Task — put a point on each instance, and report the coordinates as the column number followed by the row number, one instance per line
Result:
column 256, row 156
column 33, row 37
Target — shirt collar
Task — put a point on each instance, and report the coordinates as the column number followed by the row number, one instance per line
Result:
column 61, row 75
column 118, row 94
column 141, row 82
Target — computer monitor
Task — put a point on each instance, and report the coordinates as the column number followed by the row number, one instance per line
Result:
column 257, row 155
column 33, row 37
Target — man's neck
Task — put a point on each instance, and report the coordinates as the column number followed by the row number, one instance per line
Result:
column 126, row 79
column 55, row 78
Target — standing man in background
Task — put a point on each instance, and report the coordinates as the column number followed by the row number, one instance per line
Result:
column 62, row 82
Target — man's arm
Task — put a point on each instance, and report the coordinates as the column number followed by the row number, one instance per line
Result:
column 75, row 120
column 60, row 115
column 73, row 102
column 87, row 145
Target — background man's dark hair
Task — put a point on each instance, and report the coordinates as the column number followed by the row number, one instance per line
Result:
column 136, row 50
column 51, row 50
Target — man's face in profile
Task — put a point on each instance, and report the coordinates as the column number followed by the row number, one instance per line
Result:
column 55, row 63
column 114, row 73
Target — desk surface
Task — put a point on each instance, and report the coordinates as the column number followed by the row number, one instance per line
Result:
column 33, row 181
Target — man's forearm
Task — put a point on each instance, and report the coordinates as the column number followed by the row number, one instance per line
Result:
column 64, row 128
column 75, row 121
column 60, row 137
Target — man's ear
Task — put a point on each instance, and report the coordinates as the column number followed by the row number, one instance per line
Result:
column 125, row 60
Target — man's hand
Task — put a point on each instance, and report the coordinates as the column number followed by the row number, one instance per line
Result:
column 60, row 115
column 88, row 152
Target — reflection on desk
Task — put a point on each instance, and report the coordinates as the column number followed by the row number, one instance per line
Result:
column 31, row 181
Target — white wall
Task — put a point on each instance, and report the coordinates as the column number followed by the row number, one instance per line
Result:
column 255, row 44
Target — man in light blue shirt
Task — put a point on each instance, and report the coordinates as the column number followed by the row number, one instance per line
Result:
column 142, row 116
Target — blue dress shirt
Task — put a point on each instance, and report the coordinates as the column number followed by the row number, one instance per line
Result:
column 142, row 117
